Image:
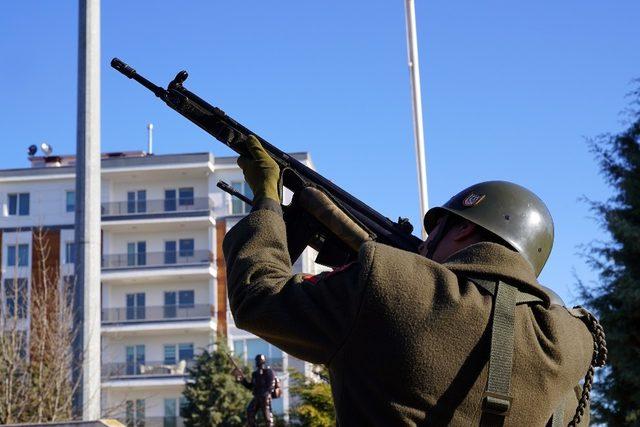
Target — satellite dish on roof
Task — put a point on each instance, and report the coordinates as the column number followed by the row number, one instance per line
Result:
column 46, row 148
column 32, row 150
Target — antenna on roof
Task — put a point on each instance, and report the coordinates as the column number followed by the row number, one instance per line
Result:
column 32, row 150
column 150, row 139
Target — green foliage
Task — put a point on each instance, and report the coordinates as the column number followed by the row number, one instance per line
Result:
column 315, row 403
column 213, row 396
column 616, row 299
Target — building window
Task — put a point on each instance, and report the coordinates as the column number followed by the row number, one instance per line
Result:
column 169, row 354
column 239, row 350
column 257, row 346
column 186, row 247
column 18, row 255
column 248, row 349
column 16, row 297
column 184, row 351
column 170, row 203
column 19, row 204
column 135, row 359
column 186, row 299
column 71, row 201
column 69, row 253
column 137, row 201
column 185, row 196
column 67, row 290
column 137, row 253
column 170, row 252
column 177, row 300
column 22, row 341
column 23, row 255
column 135, row 413
column 170, row 305
column 181, row 197
column 237, row 205
column 135, row 306
column 170, row 413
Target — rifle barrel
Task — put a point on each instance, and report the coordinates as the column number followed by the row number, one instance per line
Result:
column 131, row 73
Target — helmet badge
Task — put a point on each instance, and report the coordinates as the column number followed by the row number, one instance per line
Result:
column 473, row 199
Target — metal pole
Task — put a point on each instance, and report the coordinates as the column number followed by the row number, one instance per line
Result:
column 416, row 98
column 150, row 138
column 87, row 228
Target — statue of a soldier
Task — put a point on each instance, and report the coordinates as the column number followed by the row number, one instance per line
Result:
column 263, row 385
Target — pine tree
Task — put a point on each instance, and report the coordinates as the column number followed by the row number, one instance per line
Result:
column 315, row 402
column 213, row 397
column 616, row 299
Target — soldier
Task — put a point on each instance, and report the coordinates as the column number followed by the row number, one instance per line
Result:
column 459, row 334
column 262, row 384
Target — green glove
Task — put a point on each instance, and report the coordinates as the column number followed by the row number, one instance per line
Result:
column 260, row 171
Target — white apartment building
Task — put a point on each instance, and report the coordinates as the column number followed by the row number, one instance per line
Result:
column 163, row 273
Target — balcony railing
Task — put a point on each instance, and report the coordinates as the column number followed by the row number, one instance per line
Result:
column 155, row 313
column 156, row 259
column 143, row 207
column 153, row 422
column 145, row 369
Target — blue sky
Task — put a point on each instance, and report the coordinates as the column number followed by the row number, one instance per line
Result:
column 510, row 90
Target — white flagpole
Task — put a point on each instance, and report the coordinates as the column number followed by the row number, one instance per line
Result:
column 416, row 98
column 87, row 219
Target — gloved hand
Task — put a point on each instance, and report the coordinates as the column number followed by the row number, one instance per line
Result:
column 260, row 171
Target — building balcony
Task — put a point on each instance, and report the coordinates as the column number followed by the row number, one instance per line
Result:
column 156, row 259
column 157, row 215
column 157, row 267
column 132, row 370
column 162, row 313
column 166, row 207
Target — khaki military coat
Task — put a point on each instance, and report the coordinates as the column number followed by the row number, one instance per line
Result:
column 406, row 339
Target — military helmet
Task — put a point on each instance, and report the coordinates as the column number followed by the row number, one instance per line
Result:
column 509, row 211
column 261, row 359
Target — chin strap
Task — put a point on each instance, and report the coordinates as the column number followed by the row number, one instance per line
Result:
column 437, row 238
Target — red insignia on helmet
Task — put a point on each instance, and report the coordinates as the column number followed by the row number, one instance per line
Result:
column 472, row 199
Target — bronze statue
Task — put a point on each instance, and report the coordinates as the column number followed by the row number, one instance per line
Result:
column 264, row 386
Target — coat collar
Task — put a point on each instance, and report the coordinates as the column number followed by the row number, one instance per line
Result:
column 494, row 261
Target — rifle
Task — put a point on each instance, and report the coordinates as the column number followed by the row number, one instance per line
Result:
column 235, row 365
column 325, row 233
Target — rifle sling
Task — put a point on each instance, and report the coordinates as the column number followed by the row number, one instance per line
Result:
column 522, row 298
column 496, row 401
